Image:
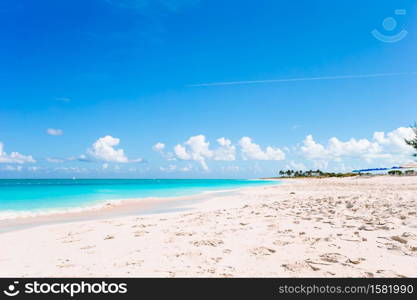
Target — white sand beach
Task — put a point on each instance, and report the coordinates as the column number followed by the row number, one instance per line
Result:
column 336, row 227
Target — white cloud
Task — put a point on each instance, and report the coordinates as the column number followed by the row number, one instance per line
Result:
column 226, row 150
column 196, row 148
column 181, row 152
column 337, row 149
column 103, row 149
column 158, row 147
column 252, row 151
column 354, row 147
column 105, row 166
column 394, row 141
column 389, row 147
column 14, row 157
column 313, row 150
column 54, row 132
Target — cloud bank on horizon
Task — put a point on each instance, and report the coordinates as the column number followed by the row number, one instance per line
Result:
column 383, row 149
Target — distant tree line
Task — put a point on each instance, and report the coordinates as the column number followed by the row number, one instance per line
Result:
column 311, row 173
column 398, row 172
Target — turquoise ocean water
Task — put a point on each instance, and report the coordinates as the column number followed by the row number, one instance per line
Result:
column 35, row 195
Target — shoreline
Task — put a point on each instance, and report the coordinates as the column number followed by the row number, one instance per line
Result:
column 349, row 227
column 112, row 208
column 113, row 202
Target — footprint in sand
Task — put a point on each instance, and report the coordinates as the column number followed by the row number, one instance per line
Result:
column 262, row 251
column 333, row 257
column 189, row 254
column 389, row 273
column 184, row 233
column 399, row 239
column 216, row 259
column 281, row 243
column 368, row 275
column 355, row 261
column 212, row 243
column 299, row 267
column 64, row 263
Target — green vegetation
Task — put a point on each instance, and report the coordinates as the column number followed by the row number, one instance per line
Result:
column 312, row 173
column 398, row 172
column 395, row 172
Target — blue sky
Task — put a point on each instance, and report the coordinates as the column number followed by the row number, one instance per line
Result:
column 112, row 79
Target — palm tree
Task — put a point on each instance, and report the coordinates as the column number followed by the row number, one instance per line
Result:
column 413, row 142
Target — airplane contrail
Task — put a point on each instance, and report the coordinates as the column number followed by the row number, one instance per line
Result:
column 300, row 79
